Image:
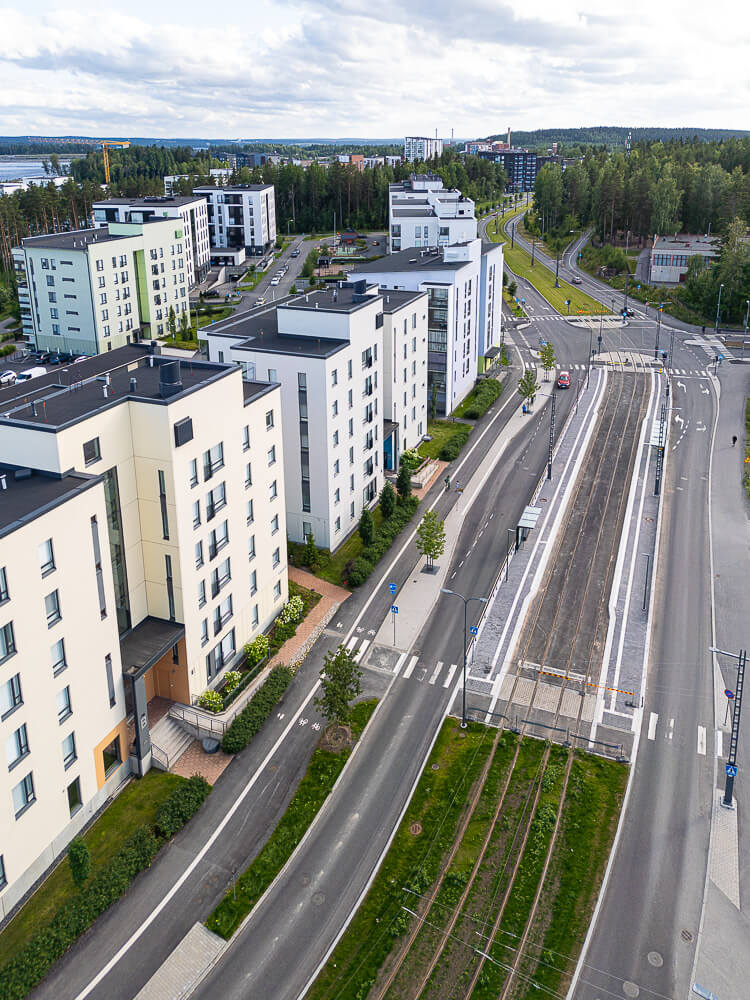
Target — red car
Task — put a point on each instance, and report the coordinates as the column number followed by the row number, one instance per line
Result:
column 563, row 380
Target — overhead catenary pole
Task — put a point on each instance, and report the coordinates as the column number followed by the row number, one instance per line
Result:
column 482, row 600
column 658, row 329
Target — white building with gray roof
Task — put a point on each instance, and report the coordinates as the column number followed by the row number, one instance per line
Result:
column 423, row 213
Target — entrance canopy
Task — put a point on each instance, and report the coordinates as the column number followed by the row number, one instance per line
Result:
column 144, row 645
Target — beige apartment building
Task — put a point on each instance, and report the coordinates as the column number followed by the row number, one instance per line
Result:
column 166, row 479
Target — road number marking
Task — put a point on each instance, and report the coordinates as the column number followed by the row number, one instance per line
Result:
column 652, row 725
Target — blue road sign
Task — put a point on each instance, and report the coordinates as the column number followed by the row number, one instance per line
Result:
column 394, row 609
column 392, row 587
column 731, row 770
column 474, row 630
column 729, row 694
column 639, row 288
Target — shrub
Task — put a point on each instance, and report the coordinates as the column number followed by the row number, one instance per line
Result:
column 387, row 500
column 403, row 481
column 183, row 803
column 79, row 860
column 257, row 649
column 281, row 632
column 472, row 413
column 211, row 701
column 231, row 679
column 366, row 527
column 412, row 458
column 257, row 710
column 292, row 610
column 357, row 570
column 455, row 442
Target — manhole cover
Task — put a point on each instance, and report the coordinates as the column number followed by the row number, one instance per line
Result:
column 630, row 989
column 435, row 767
column 319, row 898
column 415, row 829
column 655, row 959
column 686, row 936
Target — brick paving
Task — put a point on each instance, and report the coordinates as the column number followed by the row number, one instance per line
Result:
column 196, row 761
column 421, row 493
column 331, row 597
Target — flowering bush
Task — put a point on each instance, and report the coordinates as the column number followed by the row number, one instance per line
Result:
column 231, row 679
column 292, row 610
column 211, row 701
column 257, row 649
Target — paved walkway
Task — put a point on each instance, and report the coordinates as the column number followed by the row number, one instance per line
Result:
column 296, row 649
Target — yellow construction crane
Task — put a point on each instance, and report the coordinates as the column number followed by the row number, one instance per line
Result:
column 111, row 144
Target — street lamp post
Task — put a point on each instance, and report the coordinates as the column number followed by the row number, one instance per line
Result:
column 591, row 351
column 658, row 329
column 744, row 335
column 512, row 235
column 482, row 600
column 557, row 270
column 718, row 309
column 533, row 249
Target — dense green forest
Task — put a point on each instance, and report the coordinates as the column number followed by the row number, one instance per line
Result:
column 662, row 188
column 614, row 137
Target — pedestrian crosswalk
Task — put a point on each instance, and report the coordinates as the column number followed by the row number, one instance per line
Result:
column 433, row 674
column 686, row 372
column 670, row 732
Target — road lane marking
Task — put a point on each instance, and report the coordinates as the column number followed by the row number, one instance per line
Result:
column 652, row 725
column 412, row 664
column 361, row 651
column 719, row 743
column 352, row 643
column 670, row 734
column 702, row 740
column 451, row 671
column 438, row 668
column 399, row 663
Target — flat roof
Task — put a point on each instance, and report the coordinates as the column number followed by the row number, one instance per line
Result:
column 28, row 494
column 152, row 201
column 411, row 259
column 340, row 297
column 144, row 645
column 417, row 211
column 261, row 333
column 254, row 390
column 395, row 299
column 76, row 240
column 237, row 188
column 687, row 241
column 75, row 396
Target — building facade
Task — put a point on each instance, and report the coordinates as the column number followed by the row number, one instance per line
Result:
column 670, row 256
column 241, row 216
column 520, row 165
column 404, row 372
column 463, row 286
column 94, row 290
column 24, row 299
column 172, row 183
column 191, row 211
column 169, row 556
column 422, row 213
column 422, row 147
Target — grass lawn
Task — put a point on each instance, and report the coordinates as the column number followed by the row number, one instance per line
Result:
column 351, row 548
column 441, row 431
column 322, row 774
column 136, row 806
column 251, row 281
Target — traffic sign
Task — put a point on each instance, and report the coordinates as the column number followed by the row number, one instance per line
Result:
column 394, row 609
column 729, row 694
column 392, row 587
column 731, row 770
column 474, row 630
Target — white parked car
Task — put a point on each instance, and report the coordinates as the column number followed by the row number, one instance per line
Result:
column 7, row 377
column 275, row 280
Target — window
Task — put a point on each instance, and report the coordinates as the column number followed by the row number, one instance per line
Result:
column 337, row 524
column 3, row 878
column 204, row 631
column 334, row 374
column 335, row 439
column 74, row 796
column 306, row 529
column 276, row 557
column 52, row 608
column 170, row 586
column 336, row 467
column 199, row 555
column 7, row 642
column 218, row 539
column 10, row 696
column 91, row 451
column 220, row 577
column 277, row 590
column 69, row 750
column 245, row 438
column 57, row 654
column 98, row 567
column 251, row 548
column 222, row 614
column 52, row 296
column 111, row 757
column 46, row 557
column 248, row 475
column 110, row 680
column 213, row 460
column 100, row 265
column 272, row 455
column 17, row 746
column 335, row 408
column 351, row 455
column 23, row 795
column 274, row 524
column 215, row 500
column 4, row 595
column 250, row 512
column 349, row 368
column 64, row 706
column 272, row 377
column 273, row 491
column 196, row 513
column 254, row 620
column 269, row 420
column 193, row 472
column 163, row 505
column 253, row 583
column 201, row 593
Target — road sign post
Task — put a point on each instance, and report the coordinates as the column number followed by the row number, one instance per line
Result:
column 475, row 632
column 729, row 695
column 394, row 612
column 731, row 767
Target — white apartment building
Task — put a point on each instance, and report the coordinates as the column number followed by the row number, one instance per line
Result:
column 670, row 256
column 241, row 216
column 171, row 181
column 191, row 211
column 422, row 147
column 422, row 213
column 405, row 410
column 94, row 290
column 463, row 285
column 181, row 464
column 328, row 352
column 24, row 300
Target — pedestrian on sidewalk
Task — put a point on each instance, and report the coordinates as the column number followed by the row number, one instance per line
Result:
column 734, row 440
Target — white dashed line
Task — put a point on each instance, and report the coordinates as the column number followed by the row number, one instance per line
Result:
column 652, row 725
column 412, row 664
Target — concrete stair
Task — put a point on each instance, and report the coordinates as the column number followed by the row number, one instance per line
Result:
column 169, row 741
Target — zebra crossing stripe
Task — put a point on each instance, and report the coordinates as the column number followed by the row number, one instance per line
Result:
column 352, row 643
column 361, row 651
column 449, row 677
column 412, row 664
column 438, row 668
column 399, row 663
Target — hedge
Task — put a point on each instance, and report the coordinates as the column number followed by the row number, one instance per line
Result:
column 455, row 442
column 257, row 710
column 357, row 570
column 32, row 962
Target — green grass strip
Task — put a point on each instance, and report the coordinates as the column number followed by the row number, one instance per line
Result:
column 592, row 806
column 413, row 860
column 322, row 773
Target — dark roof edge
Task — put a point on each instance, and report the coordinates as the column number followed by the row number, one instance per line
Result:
column 87, row 482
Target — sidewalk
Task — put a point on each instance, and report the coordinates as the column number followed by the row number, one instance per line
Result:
column 294, row 650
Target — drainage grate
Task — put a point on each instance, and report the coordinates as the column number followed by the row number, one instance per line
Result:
column 686, row 936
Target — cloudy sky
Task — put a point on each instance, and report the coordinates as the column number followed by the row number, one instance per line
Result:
column 379, row 68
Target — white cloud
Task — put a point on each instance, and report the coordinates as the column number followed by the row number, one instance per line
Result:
column 358, row 68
